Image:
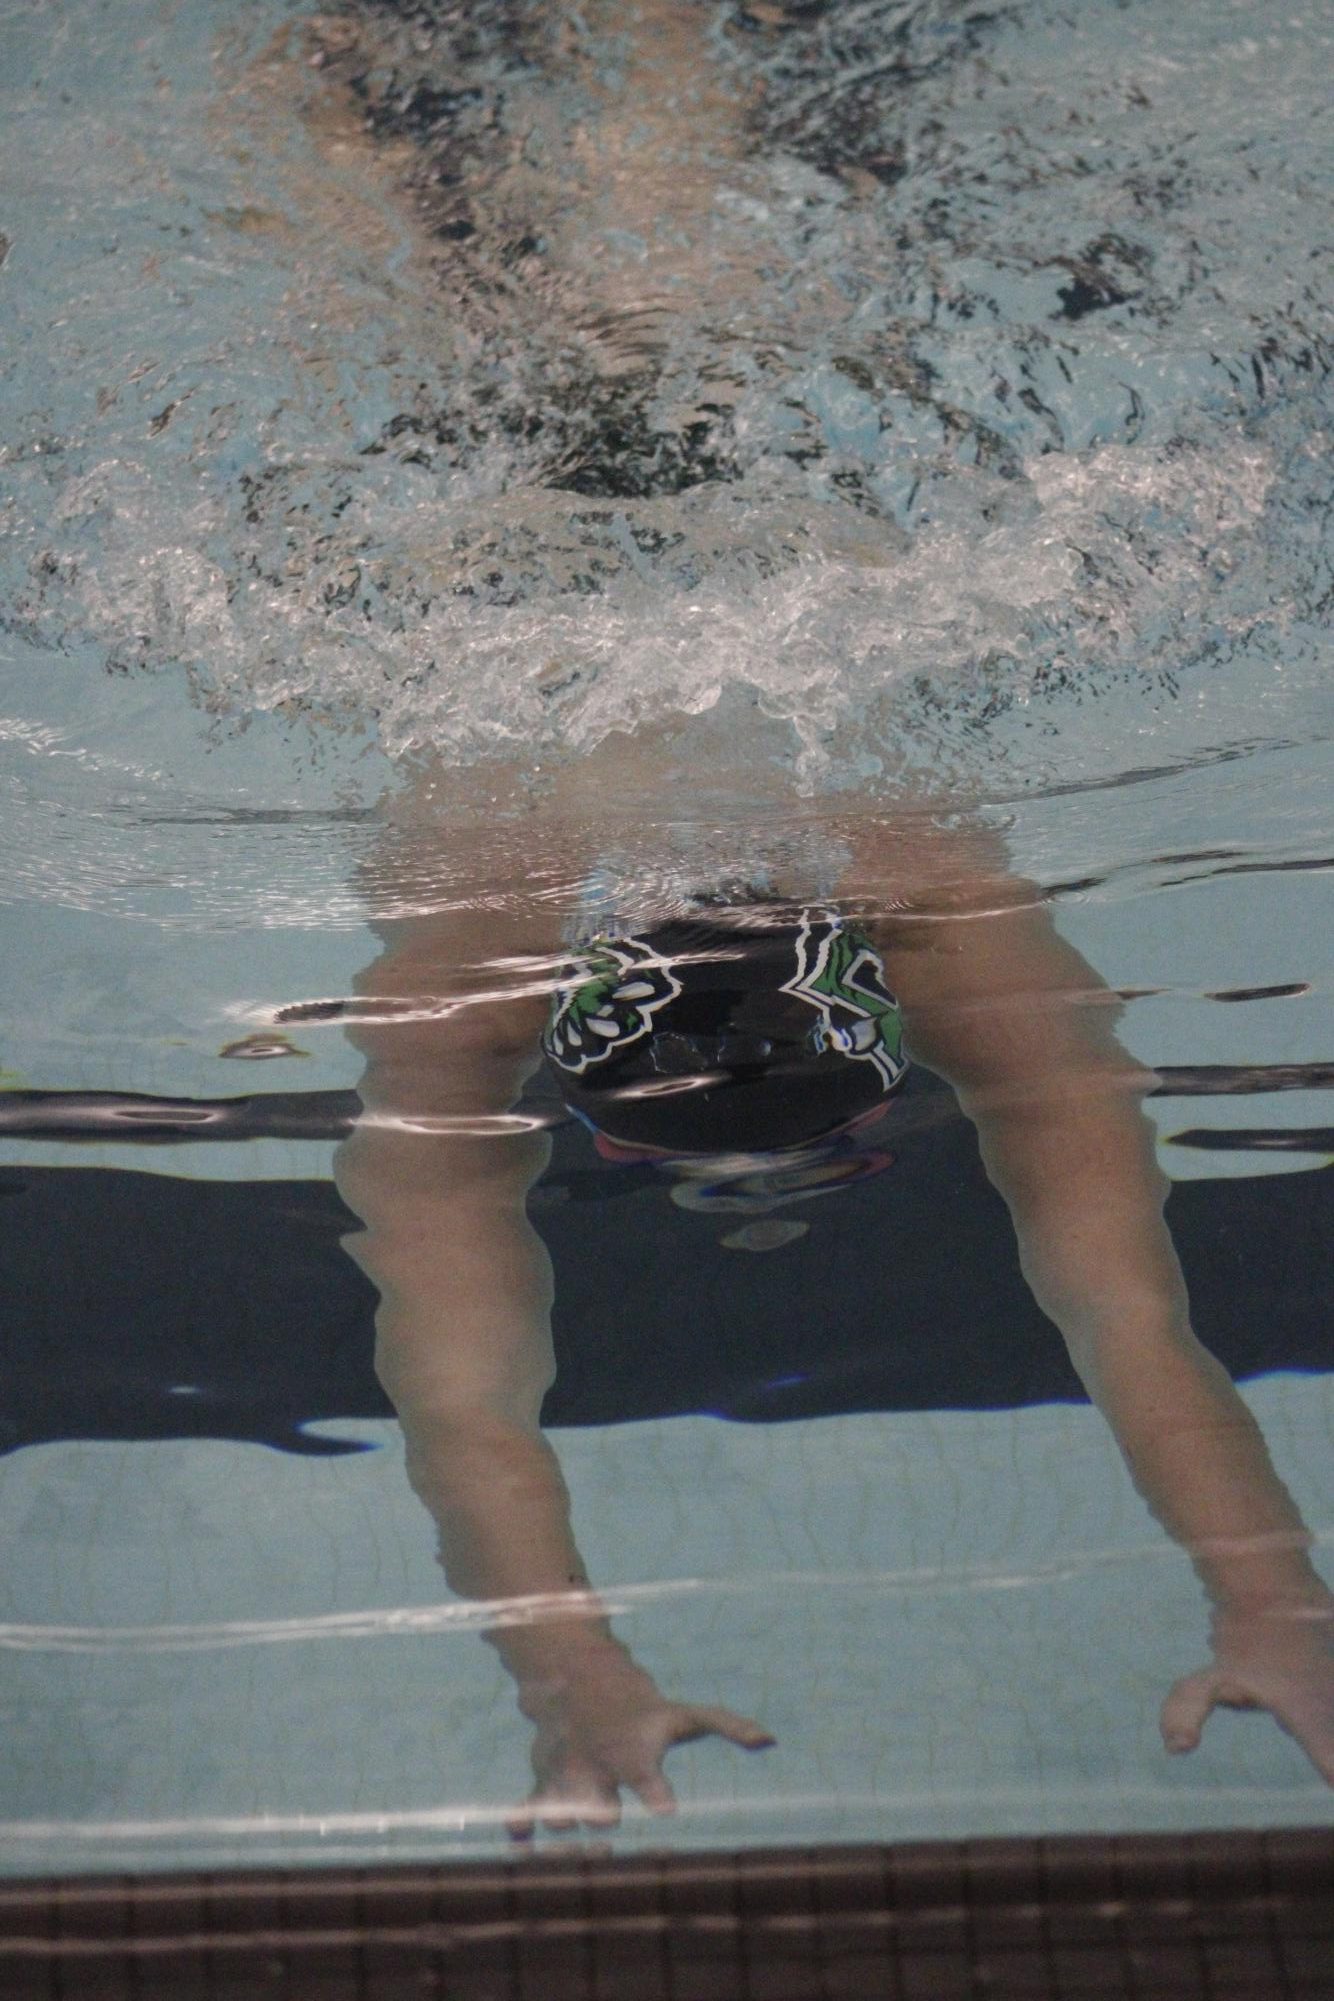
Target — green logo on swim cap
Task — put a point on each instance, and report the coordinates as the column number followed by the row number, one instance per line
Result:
column 624, row 984
column 841, row 975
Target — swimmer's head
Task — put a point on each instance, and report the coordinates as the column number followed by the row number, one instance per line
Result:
column 727, row 1035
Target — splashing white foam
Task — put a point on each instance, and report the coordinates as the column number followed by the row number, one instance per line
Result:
column 980, row 415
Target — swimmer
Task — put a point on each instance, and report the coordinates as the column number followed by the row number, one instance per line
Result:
column 743, row 1029
column 750, row 1037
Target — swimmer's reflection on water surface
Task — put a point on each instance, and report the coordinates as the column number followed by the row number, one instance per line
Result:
column 757, row 1035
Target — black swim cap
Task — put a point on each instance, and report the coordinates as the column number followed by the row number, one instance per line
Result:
column 703, row 1035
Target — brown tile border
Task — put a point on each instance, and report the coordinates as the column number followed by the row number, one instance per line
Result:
column 1210, row 1917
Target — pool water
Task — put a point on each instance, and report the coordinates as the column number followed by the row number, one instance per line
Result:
column 472, row 480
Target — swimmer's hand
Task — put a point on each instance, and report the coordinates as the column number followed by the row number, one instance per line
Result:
column 1278, row 1657
column 606, row 1726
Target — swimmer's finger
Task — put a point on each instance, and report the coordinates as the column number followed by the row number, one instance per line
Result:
column 602, row 1809
column 655, row 1792
column 718, row 1722
column 557, row 1816
column 563, row 1808
column 1187, row 1709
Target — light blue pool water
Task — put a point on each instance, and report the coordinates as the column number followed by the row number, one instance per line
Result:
column 837, row 406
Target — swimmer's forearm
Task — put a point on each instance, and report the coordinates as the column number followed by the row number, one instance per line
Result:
column 1023, row 1027
column 1076, row 1164
column 463, row 1349
column 1198, row 1457
column 1087, row 1204
column 500, row 1504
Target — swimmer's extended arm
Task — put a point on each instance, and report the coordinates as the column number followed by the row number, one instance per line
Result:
column 463, row 1345
column 1023, row 1028
column 464, row 1351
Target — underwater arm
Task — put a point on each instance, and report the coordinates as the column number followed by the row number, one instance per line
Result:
column 464, row 1351
column 463, row 1344
column 1023, row 1028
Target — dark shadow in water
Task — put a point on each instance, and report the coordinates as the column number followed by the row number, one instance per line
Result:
column 146, row 1306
